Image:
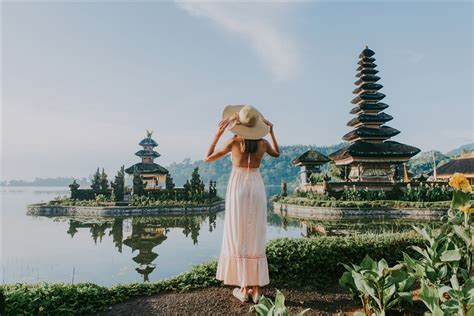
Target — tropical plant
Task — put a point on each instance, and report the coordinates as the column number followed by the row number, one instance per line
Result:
column 316, row 178
column 442, row 268
column 426, row 193
column 266, row 307
column 445, row 265
column 378, row 286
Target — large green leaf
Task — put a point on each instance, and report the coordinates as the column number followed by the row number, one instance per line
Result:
column 451, row 255
column 464, row 233
column 279, row 300
column 460, row 199
column 365, row 287
column 368, row 263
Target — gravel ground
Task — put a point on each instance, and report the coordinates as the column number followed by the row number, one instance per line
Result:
column 219, row 301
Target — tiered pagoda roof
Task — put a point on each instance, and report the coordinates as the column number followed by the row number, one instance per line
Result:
column 147, row 165
column 310, row 157
column 370, row 136
column 147, row 153
column 148, row 141
column 146, row 168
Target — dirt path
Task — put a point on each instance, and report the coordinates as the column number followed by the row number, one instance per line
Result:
column 217, row 301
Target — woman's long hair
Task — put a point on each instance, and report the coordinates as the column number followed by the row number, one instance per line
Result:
column 249, row 146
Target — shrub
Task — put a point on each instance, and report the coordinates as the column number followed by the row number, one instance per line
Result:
column 315, row 262
column 331, row 202
column 427, row 193
column 87, row 298
column 443, row 269
column 297, row 262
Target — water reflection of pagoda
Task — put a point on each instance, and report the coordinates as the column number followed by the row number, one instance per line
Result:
column 146, row 234
column 370, row 154
column 144, row 238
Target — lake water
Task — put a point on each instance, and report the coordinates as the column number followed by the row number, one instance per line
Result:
column 130, row 249
column 109, row 251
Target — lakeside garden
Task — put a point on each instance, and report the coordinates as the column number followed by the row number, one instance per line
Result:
column 101, row 193
column 424, row 270
column 424, row 195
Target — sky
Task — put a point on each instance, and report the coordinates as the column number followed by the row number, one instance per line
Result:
column 82, row 81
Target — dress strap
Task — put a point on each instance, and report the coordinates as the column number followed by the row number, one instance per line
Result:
column 248, row 166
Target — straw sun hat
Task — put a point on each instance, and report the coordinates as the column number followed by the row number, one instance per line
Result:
column 250, row 125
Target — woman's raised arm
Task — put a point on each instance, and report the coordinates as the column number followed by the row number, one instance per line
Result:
column 273, row 149
column 213, row 154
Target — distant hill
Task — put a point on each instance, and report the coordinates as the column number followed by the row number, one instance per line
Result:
column 423, row 162
column 273, row 170
column 45, row 182
column 458, row 151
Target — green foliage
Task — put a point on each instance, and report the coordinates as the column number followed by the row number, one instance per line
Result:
column 442, row 267
column 319, row 200
column 147, row 201
column 363, row 195
column 334, row 172
column 104, row 183
column 292, row 261
column 99, row 200
column 95, row 181
column 378, row 287
column 445, row 263
column 426, row 193
column 316, row 178
column 421, row 193
column 88, row 298
column 118, row 185
column 169, row 182
column 138, row 184
column 314, row 262
column 266, row 307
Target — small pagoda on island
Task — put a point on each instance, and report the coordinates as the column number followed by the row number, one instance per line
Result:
column 310, row 163
column 154, row 175
column 370, row 155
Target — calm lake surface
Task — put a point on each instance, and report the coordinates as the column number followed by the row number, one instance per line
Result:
column 108, row 251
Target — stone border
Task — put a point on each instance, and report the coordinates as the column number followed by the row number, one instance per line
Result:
column 320, row 213
column 73, row 210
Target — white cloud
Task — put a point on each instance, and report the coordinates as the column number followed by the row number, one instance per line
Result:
column 251, row 21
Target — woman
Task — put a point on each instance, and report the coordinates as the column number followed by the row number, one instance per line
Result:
column 242, row 261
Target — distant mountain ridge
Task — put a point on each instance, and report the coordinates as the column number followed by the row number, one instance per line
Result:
column 423, row 163
column 458, row 151
column 273, row 170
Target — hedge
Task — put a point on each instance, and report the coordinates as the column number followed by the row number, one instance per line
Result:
column 308, row 262
column 304, row 201
column 315, row 262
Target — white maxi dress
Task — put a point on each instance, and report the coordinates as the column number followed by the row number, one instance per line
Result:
column 242, row 261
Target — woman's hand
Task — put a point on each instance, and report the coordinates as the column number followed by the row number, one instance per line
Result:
column 269, row 124
column 226, row 122
column 222, row 126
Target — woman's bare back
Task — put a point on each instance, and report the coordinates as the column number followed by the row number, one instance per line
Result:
column 241, row 158
column 235, row 147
